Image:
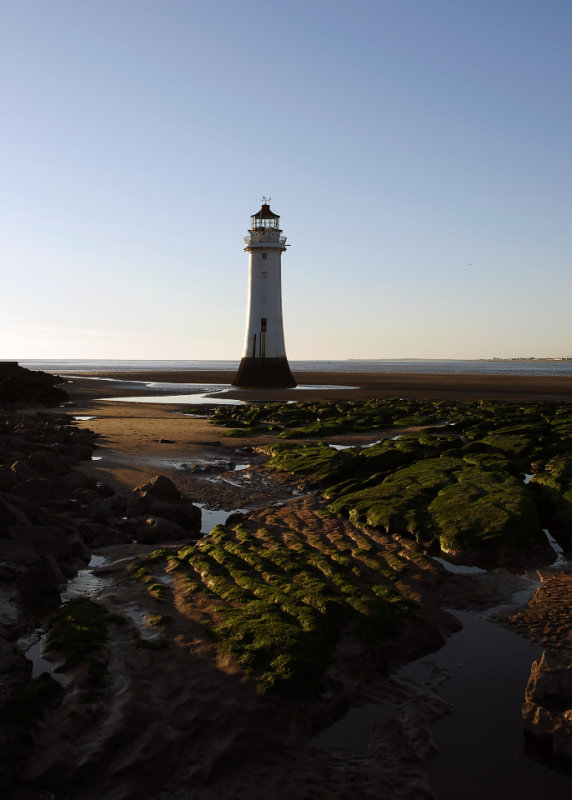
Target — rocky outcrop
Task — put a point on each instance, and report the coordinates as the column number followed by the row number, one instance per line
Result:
column 160, row 498
column 547, row 708
column 52, row 516
column 27, row 387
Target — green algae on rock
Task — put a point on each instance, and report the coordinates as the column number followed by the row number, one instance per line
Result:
column 280, row 607
column 457, row 486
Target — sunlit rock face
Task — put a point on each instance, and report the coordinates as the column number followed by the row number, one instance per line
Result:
column 547, row 709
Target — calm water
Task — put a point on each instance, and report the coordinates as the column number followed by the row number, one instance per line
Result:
column 425, row 366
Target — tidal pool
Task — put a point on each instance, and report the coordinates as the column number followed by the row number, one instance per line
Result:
column 481, row 742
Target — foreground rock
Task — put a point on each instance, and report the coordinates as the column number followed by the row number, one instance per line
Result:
column 28, row 387
column 547, row 709
column 52, row 515
column 160, row 513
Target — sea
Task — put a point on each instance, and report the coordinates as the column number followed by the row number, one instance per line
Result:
column 562, row 368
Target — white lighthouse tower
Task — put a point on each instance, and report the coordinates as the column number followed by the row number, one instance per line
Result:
column 264, row 361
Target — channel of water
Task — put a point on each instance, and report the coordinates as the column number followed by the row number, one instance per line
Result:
column 481, row 745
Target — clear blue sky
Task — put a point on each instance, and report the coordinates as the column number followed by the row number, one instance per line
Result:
column 418, row 152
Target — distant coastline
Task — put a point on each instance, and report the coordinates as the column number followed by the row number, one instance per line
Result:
column 561, row 367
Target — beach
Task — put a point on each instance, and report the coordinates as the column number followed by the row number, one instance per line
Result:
column 186, row 719
column 364, row 385
column 131, row 432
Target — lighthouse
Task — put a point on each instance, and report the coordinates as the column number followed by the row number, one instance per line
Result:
column 264, row 361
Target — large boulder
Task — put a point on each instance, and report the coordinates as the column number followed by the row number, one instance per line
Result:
column 160, row 497
column 547, row 708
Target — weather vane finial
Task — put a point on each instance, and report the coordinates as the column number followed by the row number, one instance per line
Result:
column 266, row 200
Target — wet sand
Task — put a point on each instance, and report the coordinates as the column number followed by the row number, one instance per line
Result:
column 548, row 616
column 365, row 385
column 131, row 432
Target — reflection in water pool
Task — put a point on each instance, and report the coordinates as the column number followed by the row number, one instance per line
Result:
column 213, row 516
column 459, row 569
column 40, row 665
column 211, row 399
column 483, row 738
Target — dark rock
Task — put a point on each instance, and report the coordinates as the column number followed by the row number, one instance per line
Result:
column 85, row 496
column 8, row 478
column 77, row 480
column 10, row 515
column 78, row 547
column 47, row 540
column 142, row 497
column 104, row 490
column 38, row 588
column 100, row 510
column 48, row 462
column 22, row 470
column 184, row 513
column 156, row 529
column 29, row 387
column 36, row 490
column 60, row 490
column 17, row 552
column 97, row 535
column 118, row 503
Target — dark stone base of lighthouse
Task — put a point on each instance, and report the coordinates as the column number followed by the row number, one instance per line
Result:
column 264, row 372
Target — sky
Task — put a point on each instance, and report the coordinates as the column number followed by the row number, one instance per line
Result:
column 418, row 152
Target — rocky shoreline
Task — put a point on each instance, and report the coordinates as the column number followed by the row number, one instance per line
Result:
column 52, row 517
column 156, row 708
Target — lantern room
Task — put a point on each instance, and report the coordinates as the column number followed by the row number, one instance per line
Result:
column 265, row 220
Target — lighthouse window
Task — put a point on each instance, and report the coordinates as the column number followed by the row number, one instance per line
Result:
column 264, row 256
column 263, row 325
column 264, row 274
